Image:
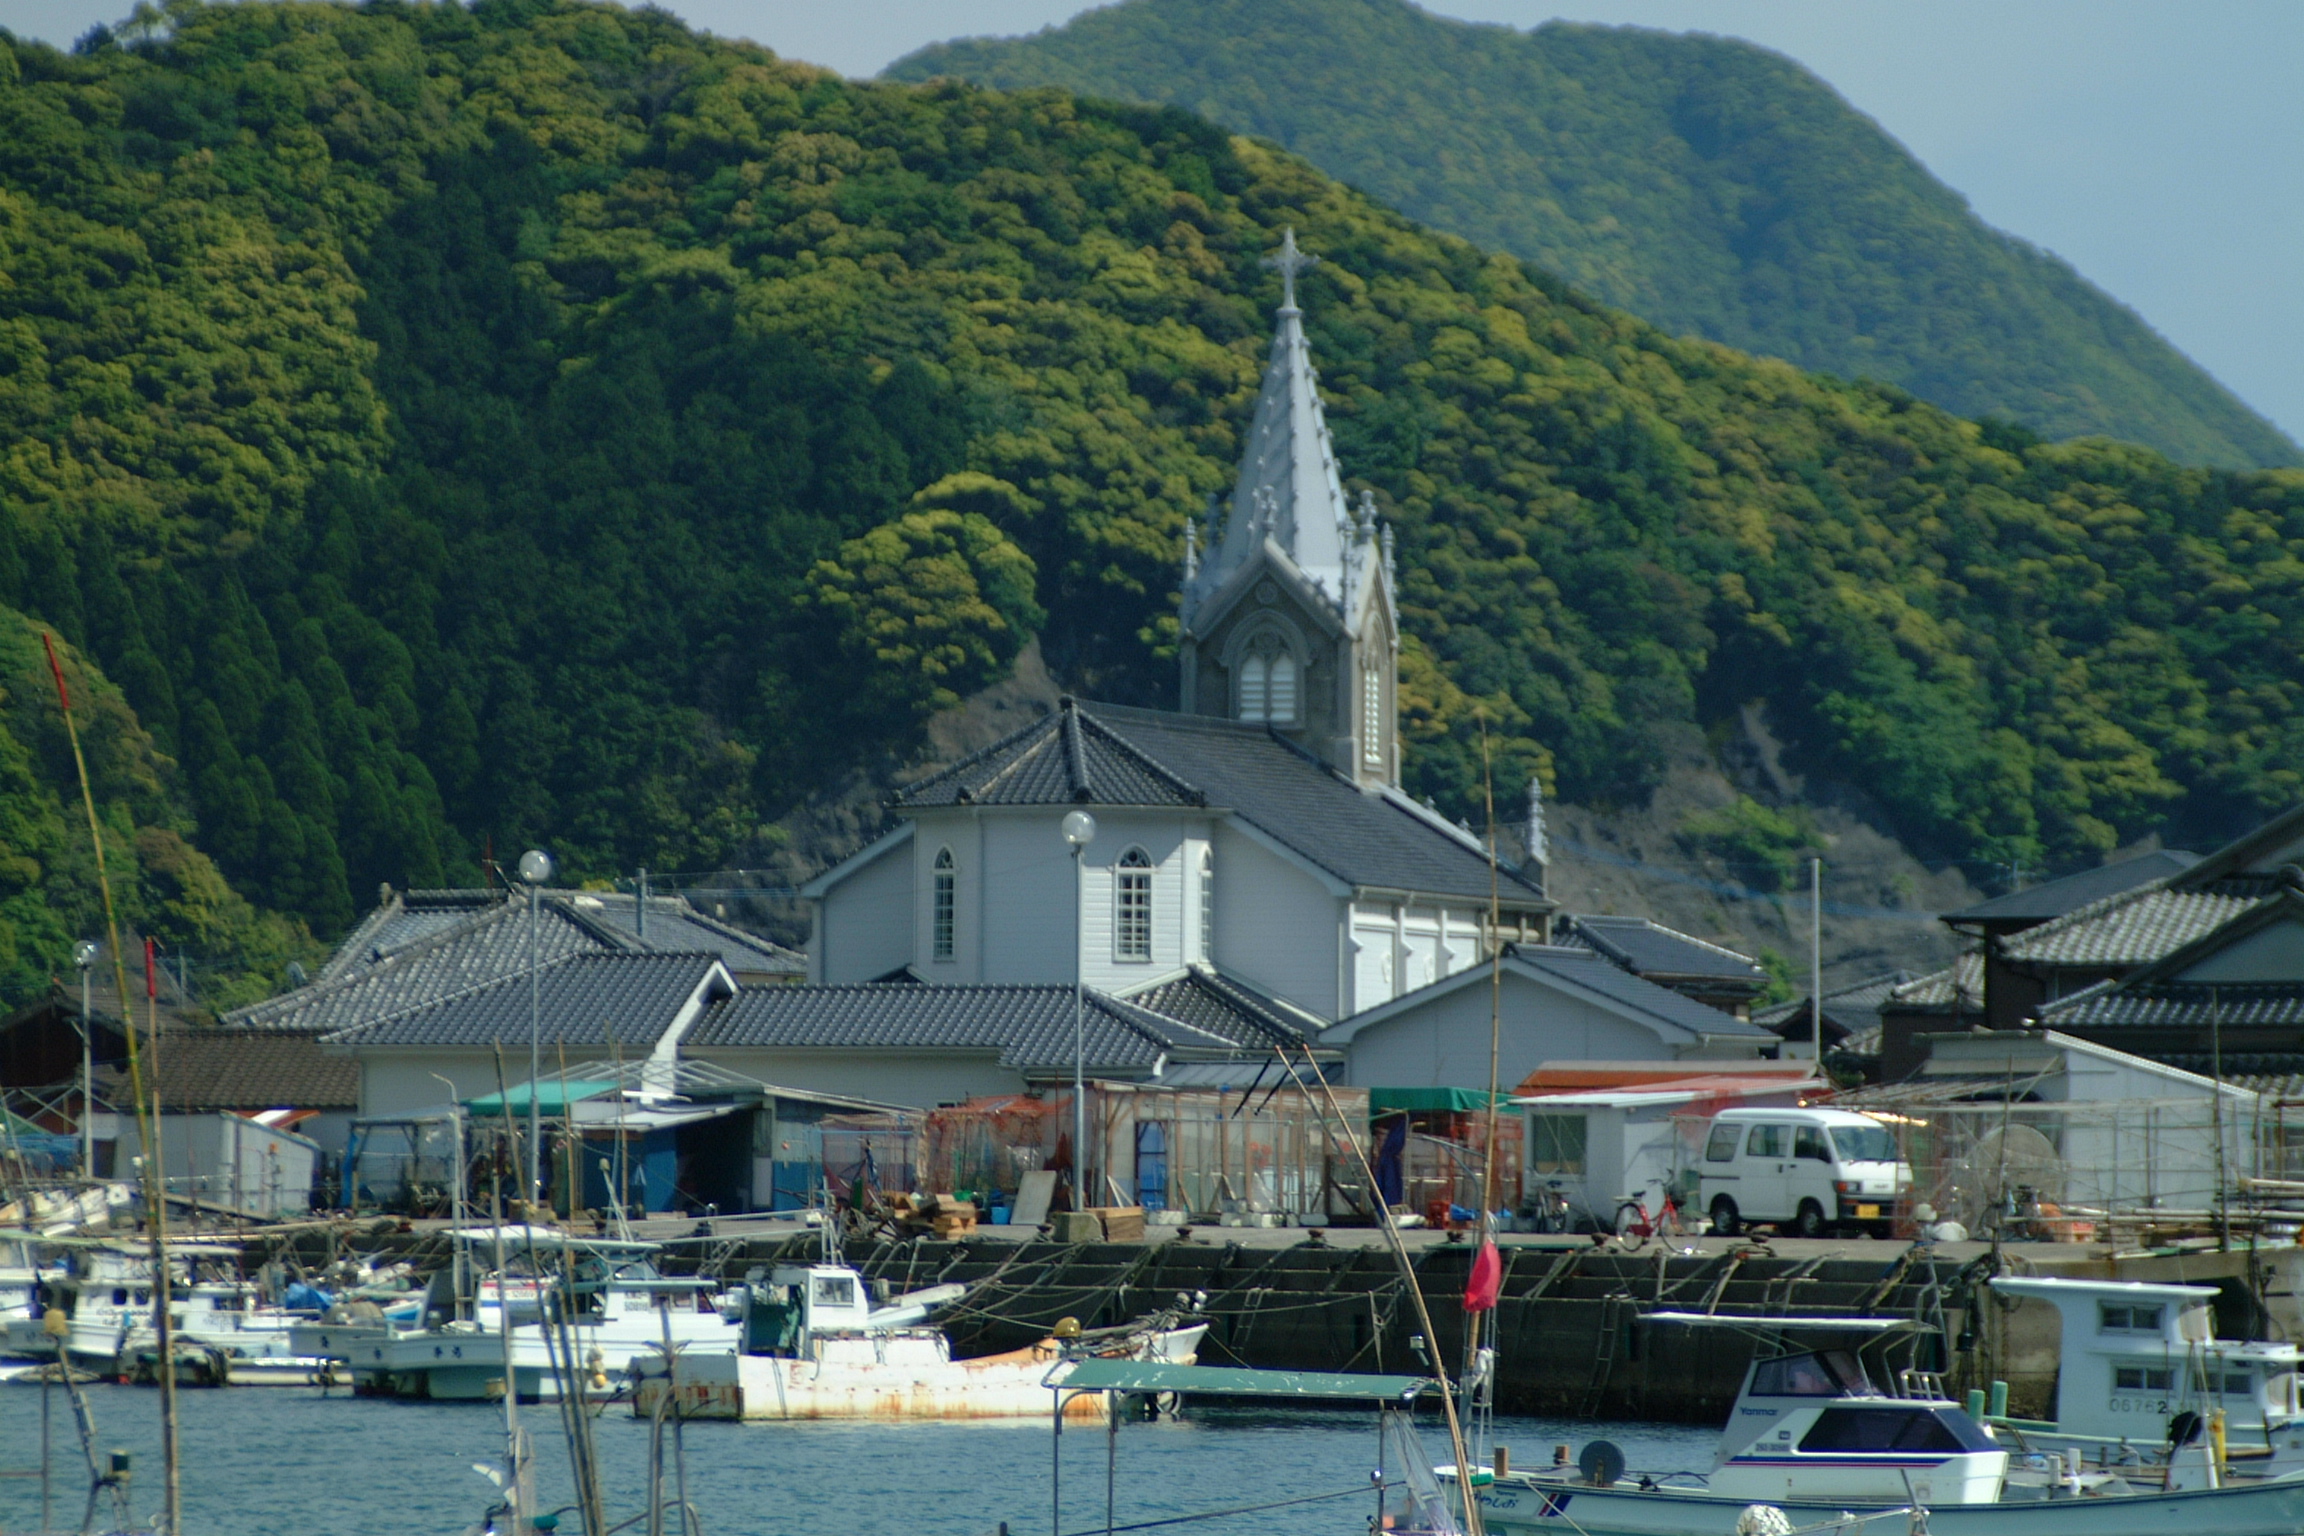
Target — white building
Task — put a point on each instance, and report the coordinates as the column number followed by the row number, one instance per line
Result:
column 1260, row 832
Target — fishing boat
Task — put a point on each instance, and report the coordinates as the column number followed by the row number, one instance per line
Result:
column 570, row 1309
column 812, row 1346
column 1813, row 1443
column 107, row 1292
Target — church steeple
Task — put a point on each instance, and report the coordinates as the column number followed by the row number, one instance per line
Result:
column 1287, row 607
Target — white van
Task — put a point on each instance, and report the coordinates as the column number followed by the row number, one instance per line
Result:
column 1803, row 1170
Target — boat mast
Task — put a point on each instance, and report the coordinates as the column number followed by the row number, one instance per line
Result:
column 147, row 1116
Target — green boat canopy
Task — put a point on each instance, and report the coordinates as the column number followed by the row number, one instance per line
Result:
column 554, row 1100
column 1227, row 1381
column 1463, row 1101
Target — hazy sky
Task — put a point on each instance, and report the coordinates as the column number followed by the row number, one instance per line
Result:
column 2158, row 147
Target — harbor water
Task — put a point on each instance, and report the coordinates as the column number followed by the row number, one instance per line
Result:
column 263, row 1461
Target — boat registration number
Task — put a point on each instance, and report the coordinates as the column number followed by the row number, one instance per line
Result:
column 1867, row 1213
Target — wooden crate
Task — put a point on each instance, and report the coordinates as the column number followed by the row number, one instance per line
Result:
column 1121, row 1223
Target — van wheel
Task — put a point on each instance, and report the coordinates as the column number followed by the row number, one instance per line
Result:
column 1724, row 1219
column 1810, row 1221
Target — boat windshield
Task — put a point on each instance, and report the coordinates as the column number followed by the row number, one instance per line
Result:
column 1819, row 1373
column 1894, row 1429
column 1864, row 1143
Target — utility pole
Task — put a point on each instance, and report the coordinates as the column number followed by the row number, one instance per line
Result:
column 1816, row 957
column 1079, row 830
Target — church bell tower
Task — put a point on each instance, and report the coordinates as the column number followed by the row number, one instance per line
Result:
column 1289, row 620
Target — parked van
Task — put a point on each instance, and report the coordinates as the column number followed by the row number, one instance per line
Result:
column 1803, row 1170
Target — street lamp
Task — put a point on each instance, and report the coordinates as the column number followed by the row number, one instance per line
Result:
column 535, row 868
column 1079, row 832
column 84, row 956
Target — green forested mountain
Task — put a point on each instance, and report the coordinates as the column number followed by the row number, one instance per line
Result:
column 460, row 428
column 1702, row 183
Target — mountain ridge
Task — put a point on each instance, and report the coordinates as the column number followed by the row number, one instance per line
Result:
column 1706, row 184
column 460, row 429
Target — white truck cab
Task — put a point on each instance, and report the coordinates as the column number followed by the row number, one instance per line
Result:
column 1805, row 1171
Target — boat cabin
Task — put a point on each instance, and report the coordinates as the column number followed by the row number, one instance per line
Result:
column 1810, row 1424
column 2134, row 1354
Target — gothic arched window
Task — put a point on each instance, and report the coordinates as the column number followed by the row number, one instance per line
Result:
column 1132, row 907
column 1269, row 681
column 945, row 923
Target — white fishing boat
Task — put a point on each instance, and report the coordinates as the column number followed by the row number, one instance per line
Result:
column 107, row 1293
column 1813, row 1444
column 812, row 1346
column 616, row 1304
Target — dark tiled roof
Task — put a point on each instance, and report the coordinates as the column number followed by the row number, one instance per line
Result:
column 676, row 927
column 594, row 1000
column 1069, row 757
column 2178, row 1006
column 226, row 1069
column 1959, row 987
column 1650, row 949
column 1029, row 1026
column 489, row 944
column 2133, row 927
column 1583, row 968
column 2240, row 862
column 1209, row 1000
column 2054, row 898
column 421, row 946
column 1856, row 1006
column 1104, row 754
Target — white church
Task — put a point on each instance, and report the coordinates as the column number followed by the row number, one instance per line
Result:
column 1259, row 833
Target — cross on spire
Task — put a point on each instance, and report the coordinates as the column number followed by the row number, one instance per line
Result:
column 1289, row 261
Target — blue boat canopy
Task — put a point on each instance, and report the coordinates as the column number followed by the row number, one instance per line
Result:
column 1228, row 1381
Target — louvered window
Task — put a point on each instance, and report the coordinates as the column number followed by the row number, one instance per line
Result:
column 1132, row 911
column 1255, row 694
column 1282, row 709
column 1372, row 716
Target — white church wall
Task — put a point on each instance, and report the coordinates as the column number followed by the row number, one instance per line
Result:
column 1163, row 838
column 1277, row 924
column 1442, row 1042
column 1024, row 883
column 864, row 924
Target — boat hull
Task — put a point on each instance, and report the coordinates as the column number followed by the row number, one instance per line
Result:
column 1562, row 1508
column 726, row 1385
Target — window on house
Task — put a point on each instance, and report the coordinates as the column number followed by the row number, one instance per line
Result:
column 944, row 925
column 1255, row 694
column 1556, row 1143
column 1283, row 702
column 1372, row 716
column 1208, row 905
column 1132, row 912
column 2123, row 1317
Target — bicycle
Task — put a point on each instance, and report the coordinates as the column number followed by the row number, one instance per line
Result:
column 1548, row 1208
column 1634, row 1224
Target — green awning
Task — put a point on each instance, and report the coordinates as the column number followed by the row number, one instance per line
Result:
column 1462, row 1101
column 553, row 1100
column 1228, row 1381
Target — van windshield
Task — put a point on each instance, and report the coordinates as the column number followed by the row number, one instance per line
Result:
column 1864, row 1143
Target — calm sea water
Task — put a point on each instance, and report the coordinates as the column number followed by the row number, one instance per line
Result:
column 290, row 1462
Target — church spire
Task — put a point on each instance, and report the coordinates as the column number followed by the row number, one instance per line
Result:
column 1288, row 488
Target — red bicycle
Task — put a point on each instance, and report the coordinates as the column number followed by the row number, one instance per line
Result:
column 1635, row 1225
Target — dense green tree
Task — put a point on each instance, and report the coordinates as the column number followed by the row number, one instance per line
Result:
column 465, row 428
column 1703, row 183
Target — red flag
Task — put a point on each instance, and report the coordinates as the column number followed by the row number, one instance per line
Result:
column 151, row 981
column 56, row 667
column 1486, row 1280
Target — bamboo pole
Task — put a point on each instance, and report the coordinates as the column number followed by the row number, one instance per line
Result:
column 147, row 1117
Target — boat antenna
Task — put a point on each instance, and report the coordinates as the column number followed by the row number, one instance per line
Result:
column 147, row 1118
column 518, row 1485
column 1473, row 1523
